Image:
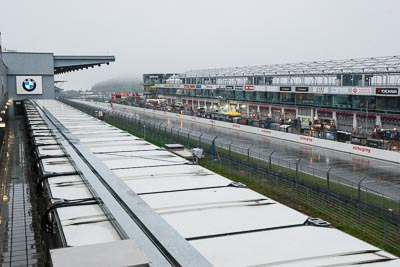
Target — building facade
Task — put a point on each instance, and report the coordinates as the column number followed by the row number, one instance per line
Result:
column 356, row 94
column 31, row 75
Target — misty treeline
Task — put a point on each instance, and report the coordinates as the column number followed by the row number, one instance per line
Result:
column 119, row 85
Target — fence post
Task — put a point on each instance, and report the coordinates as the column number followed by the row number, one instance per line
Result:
column 297, row 171
column 270, row 160
column 230, row 148
column 359, row 187
column 179, row 132
column 248, row 153
column 200, row 139
column 327, row 179
column 172, row 127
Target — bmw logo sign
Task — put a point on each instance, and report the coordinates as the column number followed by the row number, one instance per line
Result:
column 29, row 85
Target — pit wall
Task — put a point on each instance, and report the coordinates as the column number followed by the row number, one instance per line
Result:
column 301, row 139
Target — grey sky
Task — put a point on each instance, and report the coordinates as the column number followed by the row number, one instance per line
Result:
column 153, row 36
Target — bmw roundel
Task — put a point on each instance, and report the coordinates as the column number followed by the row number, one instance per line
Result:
column 29, row 84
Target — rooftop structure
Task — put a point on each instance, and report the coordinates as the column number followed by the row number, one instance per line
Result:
column 372, row 65
column 176, row 212
column 27, row 74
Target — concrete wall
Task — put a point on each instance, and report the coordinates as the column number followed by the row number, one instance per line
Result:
column 29, row 64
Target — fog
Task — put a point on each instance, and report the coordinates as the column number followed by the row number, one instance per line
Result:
column 179, row 35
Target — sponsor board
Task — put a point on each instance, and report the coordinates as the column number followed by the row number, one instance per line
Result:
column 264, row 131
column 285, row 89
column 301, row 89
column 29, row 85
column 361, row 90
column 238, row 87
column 320, row 90
column 229, row 87
column 209, row 87
column 362, row 149
column 340, row 90
column 249, row 88
column 387, row 91
column 306, row 139
column 272, row 89
column 260, row 88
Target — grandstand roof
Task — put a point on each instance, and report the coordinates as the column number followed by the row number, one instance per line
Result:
column 372, row 65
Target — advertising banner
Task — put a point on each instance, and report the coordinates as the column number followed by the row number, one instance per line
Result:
column 361, row 91
column 387, row 91
column 29, row 85
column 273, row 88
column 339, row 90
column 320, row 90
column 285, row 89
column 301, row 89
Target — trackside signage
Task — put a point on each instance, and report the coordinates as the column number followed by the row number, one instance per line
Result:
column 387, row 91
column 29, row 85
column 320, row 90
column 361, row 91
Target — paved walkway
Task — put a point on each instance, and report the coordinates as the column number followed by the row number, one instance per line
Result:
column 19, row 231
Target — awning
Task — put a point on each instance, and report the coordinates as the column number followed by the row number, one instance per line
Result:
column 64, row 64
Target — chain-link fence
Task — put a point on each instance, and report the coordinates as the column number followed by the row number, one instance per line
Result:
column 351, row 206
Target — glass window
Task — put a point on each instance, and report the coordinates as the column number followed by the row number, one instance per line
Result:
column 219, row 92
column 250, row 96
column 287, row 98
column 261, row 96
column 342, row 101
column 360, row 102
column 240, row 95
column 305, row 99
column 273, row 97
column 230, row 94
column 322, row 100
column 391, row 104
